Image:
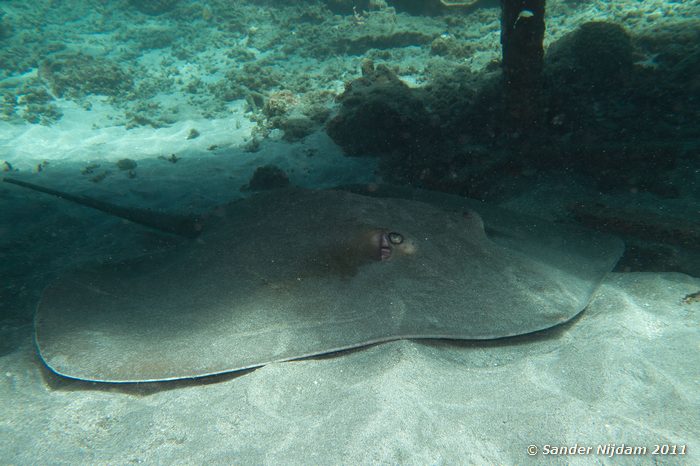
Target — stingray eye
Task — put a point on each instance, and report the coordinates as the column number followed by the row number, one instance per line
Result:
column 395, row 238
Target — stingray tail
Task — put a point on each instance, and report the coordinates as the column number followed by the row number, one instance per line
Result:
column 181, row 225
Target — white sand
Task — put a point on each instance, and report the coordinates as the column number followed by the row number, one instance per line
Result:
column 626, row 372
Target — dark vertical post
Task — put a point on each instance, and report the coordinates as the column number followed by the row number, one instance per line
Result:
column 522, row 34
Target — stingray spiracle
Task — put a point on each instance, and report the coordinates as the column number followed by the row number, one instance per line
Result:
column 386, row 241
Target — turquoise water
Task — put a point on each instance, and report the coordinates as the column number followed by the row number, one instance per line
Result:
column 182, row 106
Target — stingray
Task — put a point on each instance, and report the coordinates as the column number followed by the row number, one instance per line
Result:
column 295, row 273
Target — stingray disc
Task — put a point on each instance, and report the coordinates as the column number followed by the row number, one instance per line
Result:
column 298, row 273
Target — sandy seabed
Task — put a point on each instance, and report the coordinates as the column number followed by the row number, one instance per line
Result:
column 623, row 374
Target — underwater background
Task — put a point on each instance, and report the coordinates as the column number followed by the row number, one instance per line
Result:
column 181, row 106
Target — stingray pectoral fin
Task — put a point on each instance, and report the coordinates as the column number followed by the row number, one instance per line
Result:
column 189, row 227
column 474, row 224
column 246, row 295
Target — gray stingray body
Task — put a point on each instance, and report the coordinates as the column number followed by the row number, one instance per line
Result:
column 297, row 273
